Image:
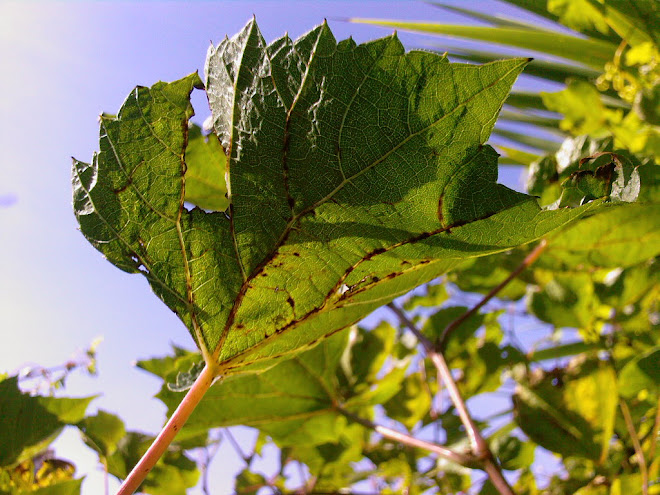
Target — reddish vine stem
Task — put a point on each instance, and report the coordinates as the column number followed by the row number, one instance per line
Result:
column 641, row 460
column 169, row 431
column 458, row 458
column 480, row 447
column 529, row 259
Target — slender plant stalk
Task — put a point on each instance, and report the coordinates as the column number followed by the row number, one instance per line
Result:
column 106, row 484
column 165, row 437
column 246, row 458
column 637, row 445
column 462, row 459
column 480, row 447
column 655, row 431
column 529, row 259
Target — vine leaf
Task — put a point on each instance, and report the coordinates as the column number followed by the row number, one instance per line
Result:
column 205, row 171
column 294, row 402
column 570, row 412
column 354, row 173
column 29, row 424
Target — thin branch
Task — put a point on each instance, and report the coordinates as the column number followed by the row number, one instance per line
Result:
column 480, row 447
column 462, row 459
column 638, row 447
column 655, row 431
column 210, row 452
column 529, row 259
column 237, row 447
column 169, row 431
column 106, row 481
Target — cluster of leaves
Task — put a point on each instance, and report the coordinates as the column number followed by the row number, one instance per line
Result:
column 339, row 177
column 30, row 423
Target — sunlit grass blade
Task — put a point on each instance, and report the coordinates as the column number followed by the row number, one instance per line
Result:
column 525, row 100
column 514, row 156
column 480, row 16
column 537, row 120
column 545, row 69
column 590, row 52
column 564, row 350
column 528, row 140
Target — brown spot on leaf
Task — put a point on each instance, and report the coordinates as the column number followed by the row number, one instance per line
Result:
column 440, row 210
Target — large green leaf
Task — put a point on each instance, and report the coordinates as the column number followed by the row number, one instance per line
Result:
column 355, row 173
column 29, row 423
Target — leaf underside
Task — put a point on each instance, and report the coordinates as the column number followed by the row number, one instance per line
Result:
column 354, row 173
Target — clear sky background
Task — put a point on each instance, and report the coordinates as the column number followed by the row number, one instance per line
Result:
column 62, row 64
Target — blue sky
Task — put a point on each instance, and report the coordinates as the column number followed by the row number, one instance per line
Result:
column 63, row 63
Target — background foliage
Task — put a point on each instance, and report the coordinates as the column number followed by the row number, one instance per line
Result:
column 588, row 395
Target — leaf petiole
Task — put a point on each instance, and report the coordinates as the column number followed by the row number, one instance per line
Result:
column 169, row 431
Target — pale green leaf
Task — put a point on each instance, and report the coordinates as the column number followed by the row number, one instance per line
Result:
column 579, row 15
column 205, row 171
column 411, row 403
column 570, row 411
column 434, row 295
column 581, row 105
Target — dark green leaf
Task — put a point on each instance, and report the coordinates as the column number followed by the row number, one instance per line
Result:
column 642, row 373
column 29, row 423
column 368, row 351
column 248, row 482
column 102, row 432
